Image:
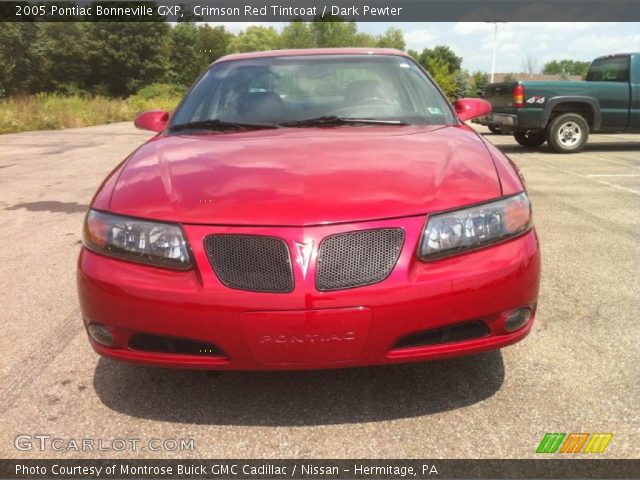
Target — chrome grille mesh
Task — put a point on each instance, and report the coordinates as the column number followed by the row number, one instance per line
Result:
column 355, row 259
column 251, row 262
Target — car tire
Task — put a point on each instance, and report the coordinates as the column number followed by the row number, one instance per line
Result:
column 568, row 133
column 495, row 130
column 530, row 138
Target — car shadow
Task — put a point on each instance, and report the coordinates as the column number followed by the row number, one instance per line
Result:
column 298, row 398
column 589, row 147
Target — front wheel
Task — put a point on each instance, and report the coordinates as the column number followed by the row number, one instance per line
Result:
column 530, row 138
column 568, row 133
column 495, row 130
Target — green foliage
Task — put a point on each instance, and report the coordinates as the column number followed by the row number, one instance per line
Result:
column 67, row 69
column 509, row 78
column 116, row 59
column 184, row 53
column 22, row 59
column 331, row 32
column 127, row 56
column 255, row 38
column 461, row 84
column 392, row 38
column 444, row 66
column 47, row 111
column 297, row 34
column 479, row 82
column 213, row 43
column 161, row 90
column 442, row 54
column 566, row 68
column 63, row 74
column 440, row 72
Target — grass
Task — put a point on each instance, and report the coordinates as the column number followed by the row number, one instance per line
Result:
column 46, row 111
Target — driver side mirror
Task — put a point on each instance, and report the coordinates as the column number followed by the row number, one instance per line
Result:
column 468, row 108
column 154, row 120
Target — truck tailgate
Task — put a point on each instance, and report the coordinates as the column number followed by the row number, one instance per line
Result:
column 500, row 95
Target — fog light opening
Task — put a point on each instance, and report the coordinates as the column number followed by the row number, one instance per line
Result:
column 517, row 319
column 100, row 334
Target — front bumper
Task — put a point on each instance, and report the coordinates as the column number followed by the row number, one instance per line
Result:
column 308, row 329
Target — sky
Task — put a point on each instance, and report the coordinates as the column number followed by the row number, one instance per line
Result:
column 544, row 41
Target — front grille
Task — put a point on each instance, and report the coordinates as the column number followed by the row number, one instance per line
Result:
column 355, row 259
column 158, row 344
column 450, row 334
column 251, row 262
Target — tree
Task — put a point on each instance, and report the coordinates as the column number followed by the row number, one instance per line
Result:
column 126, row 56
column 254, row 38
column 213, row 43
column 67, row 68
column 530, row 65
column 414, row 54
column 461, row 84
column 297, row 34
column 443, row 54
column 333, row 31
column 184, row 59
column 566, row 68
column 392, row 38
column 439, row 70
column 22, row 58
column 509, row 78
column 479, row 82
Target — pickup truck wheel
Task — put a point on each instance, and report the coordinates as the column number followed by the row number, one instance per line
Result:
column 568, row 133
column 530, row 138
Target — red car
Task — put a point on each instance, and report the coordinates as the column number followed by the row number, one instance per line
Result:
column 309, row 209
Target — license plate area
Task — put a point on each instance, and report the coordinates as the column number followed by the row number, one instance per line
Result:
column 307, row 336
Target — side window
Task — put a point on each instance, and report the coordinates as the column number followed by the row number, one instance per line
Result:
column 614, row 69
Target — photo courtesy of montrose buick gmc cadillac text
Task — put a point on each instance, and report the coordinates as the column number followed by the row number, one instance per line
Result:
column 309, row 209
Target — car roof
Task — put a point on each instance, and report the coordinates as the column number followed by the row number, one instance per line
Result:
column 312, row 51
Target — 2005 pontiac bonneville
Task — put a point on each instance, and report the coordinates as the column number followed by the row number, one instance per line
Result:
column 309, row 209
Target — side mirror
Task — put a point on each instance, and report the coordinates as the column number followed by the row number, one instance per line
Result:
column 468, row 108
column 154, row 120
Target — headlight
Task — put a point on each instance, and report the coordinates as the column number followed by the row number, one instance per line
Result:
column 475, row 227
column 154, row 243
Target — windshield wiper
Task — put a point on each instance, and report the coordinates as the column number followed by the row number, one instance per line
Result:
column 217, row 124
column 335, row 120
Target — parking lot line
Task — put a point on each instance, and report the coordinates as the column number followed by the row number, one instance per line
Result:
column 615, row 175
column 602, row 182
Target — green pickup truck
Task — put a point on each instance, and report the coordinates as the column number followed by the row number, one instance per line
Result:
column 564, row 113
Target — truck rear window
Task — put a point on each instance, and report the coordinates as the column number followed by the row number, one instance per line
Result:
column 613, row 69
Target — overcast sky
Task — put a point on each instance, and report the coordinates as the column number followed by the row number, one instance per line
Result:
column 545, row 41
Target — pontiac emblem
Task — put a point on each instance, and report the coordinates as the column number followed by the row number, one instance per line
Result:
column 303, row 255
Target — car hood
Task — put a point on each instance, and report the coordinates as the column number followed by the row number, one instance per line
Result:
column 298, row 177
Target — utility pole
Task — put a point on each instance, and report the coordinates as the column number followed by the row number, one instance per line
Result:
column 495, row 48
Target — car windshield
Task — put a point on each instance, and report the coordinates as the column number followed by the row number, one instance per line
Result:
column 308, row 90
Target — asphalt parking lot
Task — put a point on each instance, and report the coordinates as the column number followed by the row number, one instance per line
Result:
column 578, row 371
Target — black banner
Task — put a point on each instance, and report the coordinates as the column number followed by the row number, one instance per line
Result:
column 287, row 10
column 317, row 469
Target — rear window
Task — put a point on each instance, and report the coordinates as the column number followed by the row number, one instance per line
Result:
column 613, row 69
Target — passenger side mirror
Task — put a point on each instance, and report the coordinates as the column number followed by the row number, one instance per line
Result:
column 154, row 120
column 468, row 108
